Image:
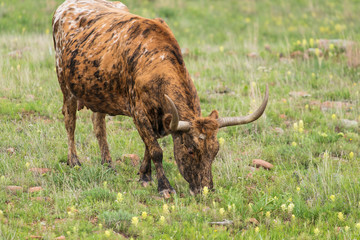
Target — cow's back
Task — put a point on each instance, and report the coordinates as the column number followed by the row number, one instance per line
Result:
column 105, row 56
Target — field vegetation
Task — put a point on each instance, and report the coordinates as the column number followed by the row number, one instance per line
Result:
column 308, row 54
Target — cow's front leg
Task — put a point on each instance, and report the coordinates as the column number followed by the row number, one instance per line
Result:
column 99, row 123
column 145, row 169
column 154, row 151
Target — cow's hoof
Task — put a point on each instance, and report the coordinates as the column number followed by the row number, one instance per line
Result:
column 167, row 193
column 74, row 161
column 110, row 165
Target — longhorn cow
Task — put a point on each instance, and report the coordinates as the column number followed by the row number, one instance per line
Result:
column 117, row 63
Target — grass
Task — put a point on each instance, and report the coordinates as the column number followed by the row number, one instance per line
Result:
column 232, row 50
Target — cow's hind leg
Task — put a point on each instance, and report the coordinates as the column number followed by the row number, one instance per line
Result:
column 69, row 111
column 145, row 169
column 99, row 123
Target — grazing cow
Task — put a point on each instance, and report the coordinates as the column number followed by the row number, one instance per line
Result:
column 117, row 63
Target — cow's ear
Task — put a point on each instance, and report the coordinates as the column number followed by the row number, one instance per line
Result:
column 167, row 121
column 214, row 114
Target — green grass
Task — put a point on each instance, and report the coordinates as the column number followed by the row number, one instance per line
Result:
column 316, row 170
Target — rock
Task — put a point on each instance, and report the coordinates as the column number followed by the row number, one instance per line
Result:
column 261, row 163
column 252, row 55
column 279, row 130
column 297, row 54
column 30, row 97
column 349, row 123
column 60, row 238
column 135, row 159
column 299, row 94
column 334, row 104
column 185, row 51
column 41, row 199
column 253, row 221
column 10, row 150
column 14, row 189
column 222, row 223
column 205, row 209
column 40, row 170
column 36, row 237
column 35, row 189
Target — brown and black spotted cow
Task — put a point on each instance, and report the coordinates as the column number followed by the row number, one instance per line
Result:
column 117, row 63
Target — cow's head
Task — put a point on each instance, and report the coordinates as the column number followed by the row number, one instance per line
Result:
column 196, row 144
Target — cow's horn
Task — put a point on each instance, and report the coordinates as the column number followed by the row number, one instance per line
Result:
column 176, row 124
column 232, row 121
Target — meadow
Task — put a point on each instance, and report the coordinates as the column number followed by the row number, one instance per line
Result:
column 306, row 51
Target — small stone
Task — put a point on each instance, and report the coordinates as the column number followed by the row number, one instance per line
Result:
column 41, row 199
column 299, row 94
column 14, row 188
column 253, row 221
column 10, row 150
column 144, row 184
column 297, row 54
column 36, row 237
column 279, row 130
column 40, row 170
column 35, row 189
column 261, row 163
column 60, row 238
column 252, row 55
column 135, row 159
column 205, row 209
column 349, row 123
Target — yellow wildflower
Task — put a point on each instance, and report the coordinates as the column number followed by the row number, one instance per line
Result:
column 331, row 46
column 107, row 233
column 105, row 184
column 311, row 42
column 293, row 217
column 134, row 221
column 221, row 48
column 268, row 214
column 144, row 215
column 347, row 228
column 221, row 142
column 316, row 231
column 351, row 155
column 221, row 211
column 341, row 216
column 162, row 220
column 294, row 144
column 247, row 20
column 358, row 225
column 257, row 229
column 307, row 106
column 119, row 197
column 304, row 42
column 100, row 225
column 296, row 127
column 283, row 207
column 298, row 189
column 290, row 207
column 332, row 198
column 27, row 164
column 165, row 208
column 333, row 117
column 301, row 124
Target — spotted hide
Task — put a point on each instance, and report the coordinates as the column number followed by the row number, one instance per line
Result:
column 117, row 63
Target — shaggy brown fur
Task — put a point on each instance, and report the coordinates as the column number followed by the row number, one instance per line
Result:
column 117, row 63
